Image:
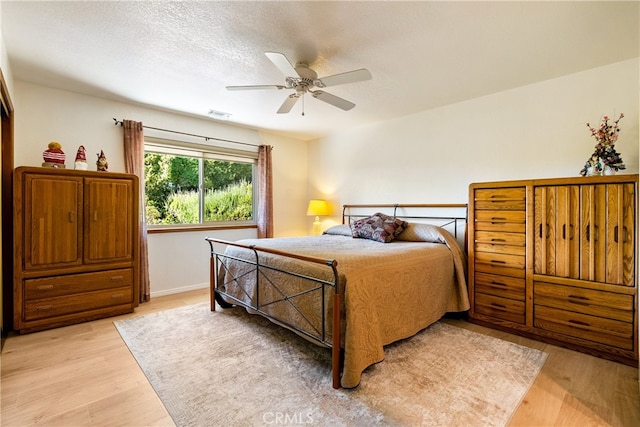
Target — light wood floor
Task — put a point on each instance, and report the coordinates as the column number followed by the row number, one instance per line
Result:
column 84, row 375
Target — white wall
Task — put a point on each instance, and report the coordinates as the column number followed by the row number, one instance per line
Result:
column 177, row 261
column 529, row 132
column 534, row 131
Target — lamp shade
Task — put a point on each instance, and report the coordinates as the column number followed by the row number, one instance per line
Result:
column 317, row 208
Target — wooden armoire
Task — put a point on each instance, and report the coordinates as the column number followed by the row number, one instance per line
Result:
column 76, row 246
column 555, row 260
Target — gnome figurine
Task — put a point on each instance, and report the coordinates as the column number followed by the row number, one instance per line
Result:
column 102, row 162
column 81, row 159
column 53, row 156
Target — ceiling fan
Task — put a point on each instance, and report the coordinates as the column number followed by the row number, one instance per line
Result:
column 304, row 80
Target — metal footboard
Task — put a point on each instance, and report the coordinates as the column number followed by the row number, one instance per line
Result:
column 221, row 275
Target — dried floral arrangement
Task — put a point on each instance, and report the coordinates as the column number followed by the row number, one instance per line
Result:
column 604, row 153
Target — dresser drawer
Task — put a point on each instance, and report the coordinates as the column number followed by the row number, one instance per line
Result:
column 500, row 260
column 501, row 238
column 604, row 331
column 504, row 221
column 48, row 287
column 500, row 308
column 495, row 248
column 77, row 303
column 500, row 198
column 499, row 270
column 501, row 286
column 586, row 301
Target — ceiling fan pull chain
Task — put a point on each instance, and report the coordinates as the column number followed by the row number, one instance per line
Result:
column 303, row 104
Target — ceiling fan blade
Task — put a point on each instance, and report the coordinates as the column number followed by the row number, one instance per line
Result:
column 342, row 78
column 336, row 101
column 288, row 103
column 256, row 87
column 283, row 64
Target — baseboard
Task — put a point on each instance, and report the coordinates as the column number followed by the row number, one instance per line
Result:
column 179, row 290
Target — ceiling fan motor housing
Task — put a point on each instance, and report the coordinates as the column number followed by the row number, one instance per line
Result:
column 306, row 76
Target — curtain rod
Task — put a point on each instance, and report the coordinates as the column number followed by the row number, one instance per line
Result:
column 206, row 138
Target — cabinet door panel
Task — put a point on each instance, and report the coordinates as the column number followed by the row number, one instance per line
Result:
column 592, row 233
column 567, row 232
column 544, row 240
column 557, row 231
column 52, row 222
column 108, row 220
column 620, row 226
column 608, row 233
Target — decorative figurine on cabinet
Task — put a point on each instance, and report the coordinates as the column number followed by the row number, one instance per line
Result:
column 53, row 156
column 81, row 159
column 102, row 163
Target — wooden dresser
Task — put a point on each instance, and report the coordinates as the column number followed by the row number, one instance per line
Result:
column 555, row 260
column 75, row 246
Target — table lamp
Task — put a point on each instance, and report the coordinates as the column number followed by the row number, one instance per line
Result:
column 317, row 208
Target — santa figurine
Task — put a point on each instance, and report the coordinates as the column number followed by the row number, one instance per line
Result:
column 81, row 159
column 102, row 162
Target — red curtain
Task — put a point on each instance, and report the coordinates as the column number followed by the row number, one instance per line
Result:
column 134, row 164
column 264, row 216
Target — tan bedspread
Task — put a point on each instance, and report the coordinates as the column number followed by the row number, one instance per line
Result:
column 391, row 290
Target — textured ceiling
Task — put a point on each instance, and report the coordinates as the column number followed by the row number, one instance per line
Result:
column 181, row 55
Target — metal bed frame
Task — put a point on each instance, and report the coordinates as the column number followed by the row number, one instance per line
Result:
column 219, row 262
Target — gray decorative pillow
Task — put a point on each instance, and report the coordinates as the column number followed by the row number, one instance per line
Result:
column 338, row 230
column 379, row 227
column 417, row 232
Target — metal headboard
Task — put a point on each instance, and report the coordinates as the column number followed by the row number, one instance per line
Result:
column 442, row 214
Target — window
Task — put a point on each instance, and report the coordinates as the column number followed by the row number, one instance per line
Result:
column 186, row 184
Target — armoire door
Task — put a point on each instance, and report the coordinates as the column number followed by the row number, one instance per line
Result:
column 108, row 220
column 608, row 222
column 557, row 231
column 52, row 221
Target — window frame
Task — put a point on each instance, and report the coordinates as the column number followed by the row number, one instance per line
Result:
column 202, row 152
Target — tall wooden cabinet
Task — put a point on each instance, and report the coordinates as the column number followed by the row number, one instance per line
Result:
column 76, row 246
column 555, row 260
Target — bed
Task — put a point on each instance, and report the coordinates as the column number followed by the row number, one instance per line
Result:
column 404, row 272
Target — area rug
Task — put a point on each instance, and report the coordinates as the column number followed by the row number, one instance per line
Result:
column 230, row 368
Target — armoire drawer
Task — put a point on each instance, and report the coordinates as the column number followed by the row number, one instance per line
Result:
column 497, row 248
column 48, row 287
column 501, row 238
column 500, row 198
column 500, row 286
column 76, row 303
column 499, row 270
column 604, row 331
column 500, row 308
column 500, row 260
column 586, row 301
column 505, row 227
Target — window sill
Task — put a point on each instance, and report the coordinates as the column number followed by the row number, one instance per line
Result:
column 188, row 228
